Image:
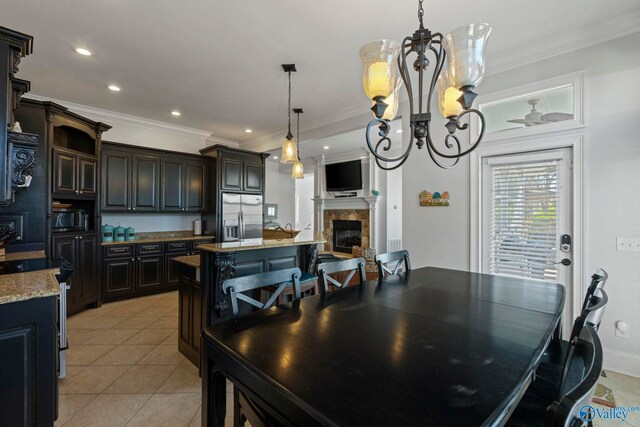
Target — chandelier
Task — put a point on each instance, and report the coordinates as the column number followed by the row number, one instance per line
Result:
column 297, row 171
column 385, row 69
column 289, row 150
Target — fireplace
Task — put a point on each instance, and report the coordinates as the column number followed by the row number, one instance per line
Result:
column 346, row 234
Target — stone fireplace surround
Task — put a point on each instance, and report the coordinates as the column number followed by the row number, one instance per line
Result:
column 330, row 215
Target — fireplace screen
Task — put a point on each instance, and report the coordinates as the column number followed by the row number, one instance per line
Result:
column 346, row 234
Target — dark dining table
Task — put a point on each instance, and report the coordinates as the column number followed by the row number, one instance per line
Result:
column 430, row 346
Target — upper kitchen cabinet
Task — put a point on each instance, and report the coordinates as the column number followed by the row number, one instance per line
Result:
column 75, row 164
column 130, row 181
column 138, row 179
column 240, row 171
column 13, row 47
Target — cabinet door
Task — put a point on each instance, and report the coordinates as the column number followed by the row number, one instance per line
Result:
column 231, row 174
column 65, row 169
column 171, row 275
column 119, row 277
column 150, row 272
column 65, row 247
column 116, row 174
column 87, row 180
column 252, row 176
column 196, row 314
column 194, row 187
column 144, row 183
column 172, row 185
column 86, row 268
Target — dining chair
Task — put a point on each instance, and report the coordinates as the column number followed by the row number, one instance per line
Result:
column 352, row 266
column 579, row 382
column 237, row 287
column 598, row 280
column 552, row 366
column 400, row 258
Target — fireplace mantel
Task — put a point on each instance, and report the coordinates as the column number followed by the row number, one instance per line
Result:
column 368, row 202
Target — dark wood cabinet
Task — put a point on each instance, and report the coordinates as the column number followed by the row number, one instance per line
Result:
column 252, row 176
column 73, row 173
column 189, row 313
column 116, row 166
column 80, row 250
column 145, row 182
column 118, row 277
column 171, row 273
column 231, row 174
column 172, row 185
column 150, row 272
column 87, row 175
column 28, row 362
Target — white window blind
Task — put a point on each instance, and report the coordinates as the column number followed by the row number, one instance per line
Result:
column 524, row 212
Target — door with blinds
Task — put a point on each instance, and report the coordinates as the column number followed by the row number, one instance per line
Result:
column 526, row 211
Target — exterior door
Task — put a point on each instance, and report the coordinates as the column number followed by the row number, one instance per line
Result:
column 526, row 210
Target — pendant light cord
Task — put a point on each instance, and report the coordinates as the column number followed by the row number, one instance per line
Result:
column 289, row 110
column 298, row 135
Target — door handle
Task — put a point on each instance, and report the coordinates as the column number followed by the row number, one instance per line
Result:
column 566, row 262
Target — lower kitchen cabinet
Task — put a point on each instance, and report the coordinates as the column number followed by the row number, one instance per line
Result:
column 189, row 313
column 136, row 269
column 80, row 250
column 28, row 370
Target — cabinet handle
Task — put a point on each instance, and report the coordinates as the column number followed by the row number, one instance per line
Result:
column 134, row 209
column 129, row 208
column 80, row 237
column 77, row 192
column 132, row 259
column 80, row 192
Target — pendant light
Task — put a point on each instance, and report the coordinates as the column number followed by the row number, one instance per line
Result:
column 297, row 172
column 289, row 150
column 458, row 68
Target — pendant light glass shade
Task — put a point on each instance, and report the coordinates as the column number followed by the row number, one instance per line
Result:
column 379, row 68
column 465, row 48
column 289, row 151
column 448, row 96
column 297, row 172
column 392, row 101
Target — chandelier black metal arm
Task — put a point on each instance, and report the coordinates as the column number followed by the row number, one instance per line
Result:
column 421, row 43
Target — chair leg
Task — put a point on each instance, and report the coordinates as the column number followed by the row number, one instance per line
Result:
column 238, row 418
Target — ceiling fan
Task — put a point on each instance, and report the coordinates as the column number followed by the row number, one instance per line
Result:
column 535, row 117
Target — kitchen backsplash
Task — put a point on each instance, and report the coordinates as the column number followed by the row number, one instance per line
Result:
column 151, row 222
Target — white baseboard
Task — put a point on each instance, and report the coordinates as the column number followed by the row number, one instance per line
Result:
column 625, row 363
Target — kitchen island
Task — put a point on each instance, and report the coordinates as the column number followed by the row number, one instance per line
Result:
column 201, row 300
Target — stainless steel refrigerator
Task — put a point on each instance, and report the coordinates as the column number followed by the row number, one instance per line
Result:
column 241, row 216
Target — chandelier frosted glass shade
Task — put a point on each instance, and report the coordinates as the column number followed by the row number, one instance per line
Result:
column 289, row 151
column 448, row 96
column 379, row 69
column 392, row 101
column 297, row 172
column 465, row 48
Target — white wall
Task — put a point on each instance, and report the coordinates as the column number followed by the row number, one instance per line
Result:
column 280, row 189
column 304, row 189
column 440, row 236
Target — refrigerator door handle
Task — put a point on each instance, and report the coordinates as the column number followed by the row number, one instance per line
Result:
column 240, row 226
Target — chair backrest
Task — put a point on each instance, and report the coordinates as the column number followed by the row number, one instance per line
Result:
column 586, row 363
column 280, row 278
column 353, row 266
column 592, row 314
column 399, row 257
column 598, row 280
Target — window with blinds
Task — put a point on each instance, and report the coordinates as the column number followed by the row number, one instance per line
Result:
column 523, row 214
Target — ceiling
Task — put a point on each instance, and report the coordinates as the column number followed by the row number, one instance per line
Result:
column 218, row 62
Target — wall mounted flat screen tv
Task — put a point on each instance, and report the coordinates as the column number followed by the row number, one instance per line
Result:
column 345, row 176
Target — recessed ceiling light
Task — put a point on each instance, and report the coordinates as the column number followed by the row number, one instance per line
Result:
column 114, row 88
column 248, row 130
column 326, row 147
column 275, row 157
column 176, row 113
column 398, row 130
column 84, row 52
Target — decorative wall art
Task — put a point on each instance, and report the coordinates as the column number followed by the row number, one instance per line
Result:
column 434, row 199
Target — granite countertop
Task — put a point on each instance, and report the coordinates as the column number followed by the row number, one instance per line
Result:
column 158, row 239
column 19, row 256
column 29, row 285
column 250, row 244
column 190, row 260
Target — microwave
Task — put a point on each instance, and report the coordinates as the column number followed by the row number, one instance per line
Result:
column 69, row 220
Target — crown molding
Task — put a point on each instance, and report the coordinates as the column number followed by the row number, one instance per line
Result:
column 111, row 117
column 569, row 41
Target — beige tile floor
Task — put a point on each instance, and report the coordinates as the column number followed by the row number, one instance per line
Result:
column 626, row 390
column 124, row 368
